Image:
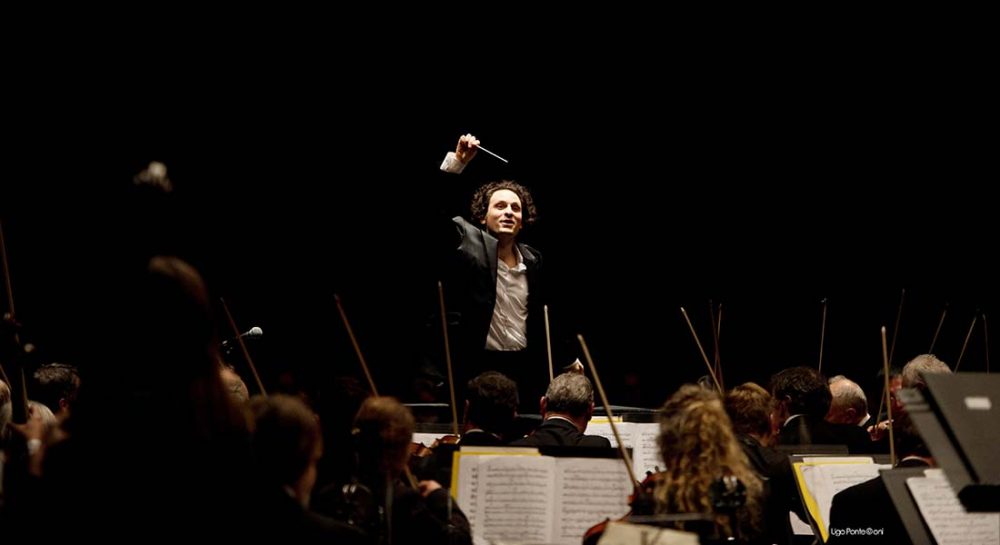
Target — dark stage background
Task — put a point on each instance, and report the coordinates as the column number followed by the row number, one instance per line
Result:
column 649, row 201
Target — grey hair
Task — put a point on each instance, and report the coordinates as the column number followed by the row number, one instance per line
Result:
column 570, row 393
column 847, row 395
column 920, row 366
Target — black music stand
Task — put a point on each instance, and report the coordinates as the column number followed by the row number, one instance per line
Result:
column 895, row 483
column 958, row 417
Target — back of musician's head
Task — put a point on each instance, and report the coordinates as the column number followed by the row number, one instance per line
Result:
column 166, row 367
column 492, row 401
column 55, row 385
column 698, row 448
column 570, row 393
column 481, row 201
column 286, row 438
column 804, row 390
column 694, row 428
column 919, row 367
column 848, row 401
column 749, row 406
column 175, row 323
column 384, row 429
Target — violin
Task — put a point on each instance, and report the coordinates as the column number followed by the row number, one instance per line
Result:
column 727, row 495
column 420, row 450
column 426, row 466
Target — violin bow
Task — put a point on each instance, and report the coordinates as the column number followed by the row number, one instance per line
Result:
column 895, row 328
column 410, row 479
column 888, row 405
column 548, row 340
column 986, row 341
column 18, row 388
column 447, row 358
column 702, row 351
column 822, row 337
column 965, row 344
column 895, row 333
column 944, row 312
column 607, row 409
column 243, row 347
column 10, row 295
column 357, row 348
column 716, row 335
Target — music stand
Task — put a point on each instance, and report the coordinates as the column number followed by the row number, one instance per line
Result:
column 895, row 483
column 957, row 417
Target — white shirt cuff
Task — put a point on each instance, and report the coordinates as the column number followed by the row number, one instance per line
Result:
column 451, row 164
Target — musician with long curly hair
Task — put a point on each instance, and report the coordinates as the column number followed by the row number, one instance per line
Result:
column 699, row 448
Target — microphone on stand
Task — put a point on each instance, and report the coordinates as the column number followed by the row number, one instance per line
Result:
column 252, row 333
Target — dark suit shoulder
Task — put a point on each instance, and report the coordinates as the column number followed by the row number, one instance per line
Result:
column 862, row 506
column 594, row 441
column 464, row 224
column 530, row 254
column 556, row 432
column 480, row 439
column 463, row 229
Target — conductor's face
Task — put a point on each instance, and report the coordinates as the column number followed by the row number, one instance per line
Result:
column 503, row 217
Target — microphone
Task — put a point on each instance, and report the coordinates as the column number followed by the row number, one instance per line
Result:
column 252, row 333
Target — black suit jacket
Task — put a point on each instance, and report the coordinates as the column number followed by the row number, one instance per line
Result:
column 479, row 439
column 556, row 432
column 780, row 493
column 803, row 430
column 282, row 518
column 868, row 505
column 472, row 285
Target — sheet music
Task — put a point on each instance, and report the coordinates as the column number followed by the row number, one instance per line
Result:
column 638, row 436
column 539, row 499
column 837, row 477
column 604, row 430
column 949, row 522
column 838, row 459
column 588, row 490
column 647, row 452
column 799, row 528
column 824, row 481
column 507, row 497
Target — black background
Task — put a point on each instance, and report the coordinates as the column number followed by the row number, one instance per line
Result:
column 764, row 186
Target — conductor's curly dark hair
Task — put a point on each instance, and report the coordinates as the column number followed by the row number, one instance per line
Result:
column 481, row 201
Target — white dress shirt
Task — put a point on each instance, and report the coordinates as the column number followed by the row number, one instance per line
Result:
column 509, row 326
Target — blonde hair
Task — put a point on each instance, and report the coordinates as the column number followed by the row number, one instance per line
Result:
column 698, row 447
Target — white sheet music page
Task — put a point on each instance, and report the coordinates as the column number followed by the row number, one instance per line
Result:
column 603, row 428
column 638, row 436
column 588, row 490
column 647, row 452
column 824, row 480
column 507, row 498
column 949, row 522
